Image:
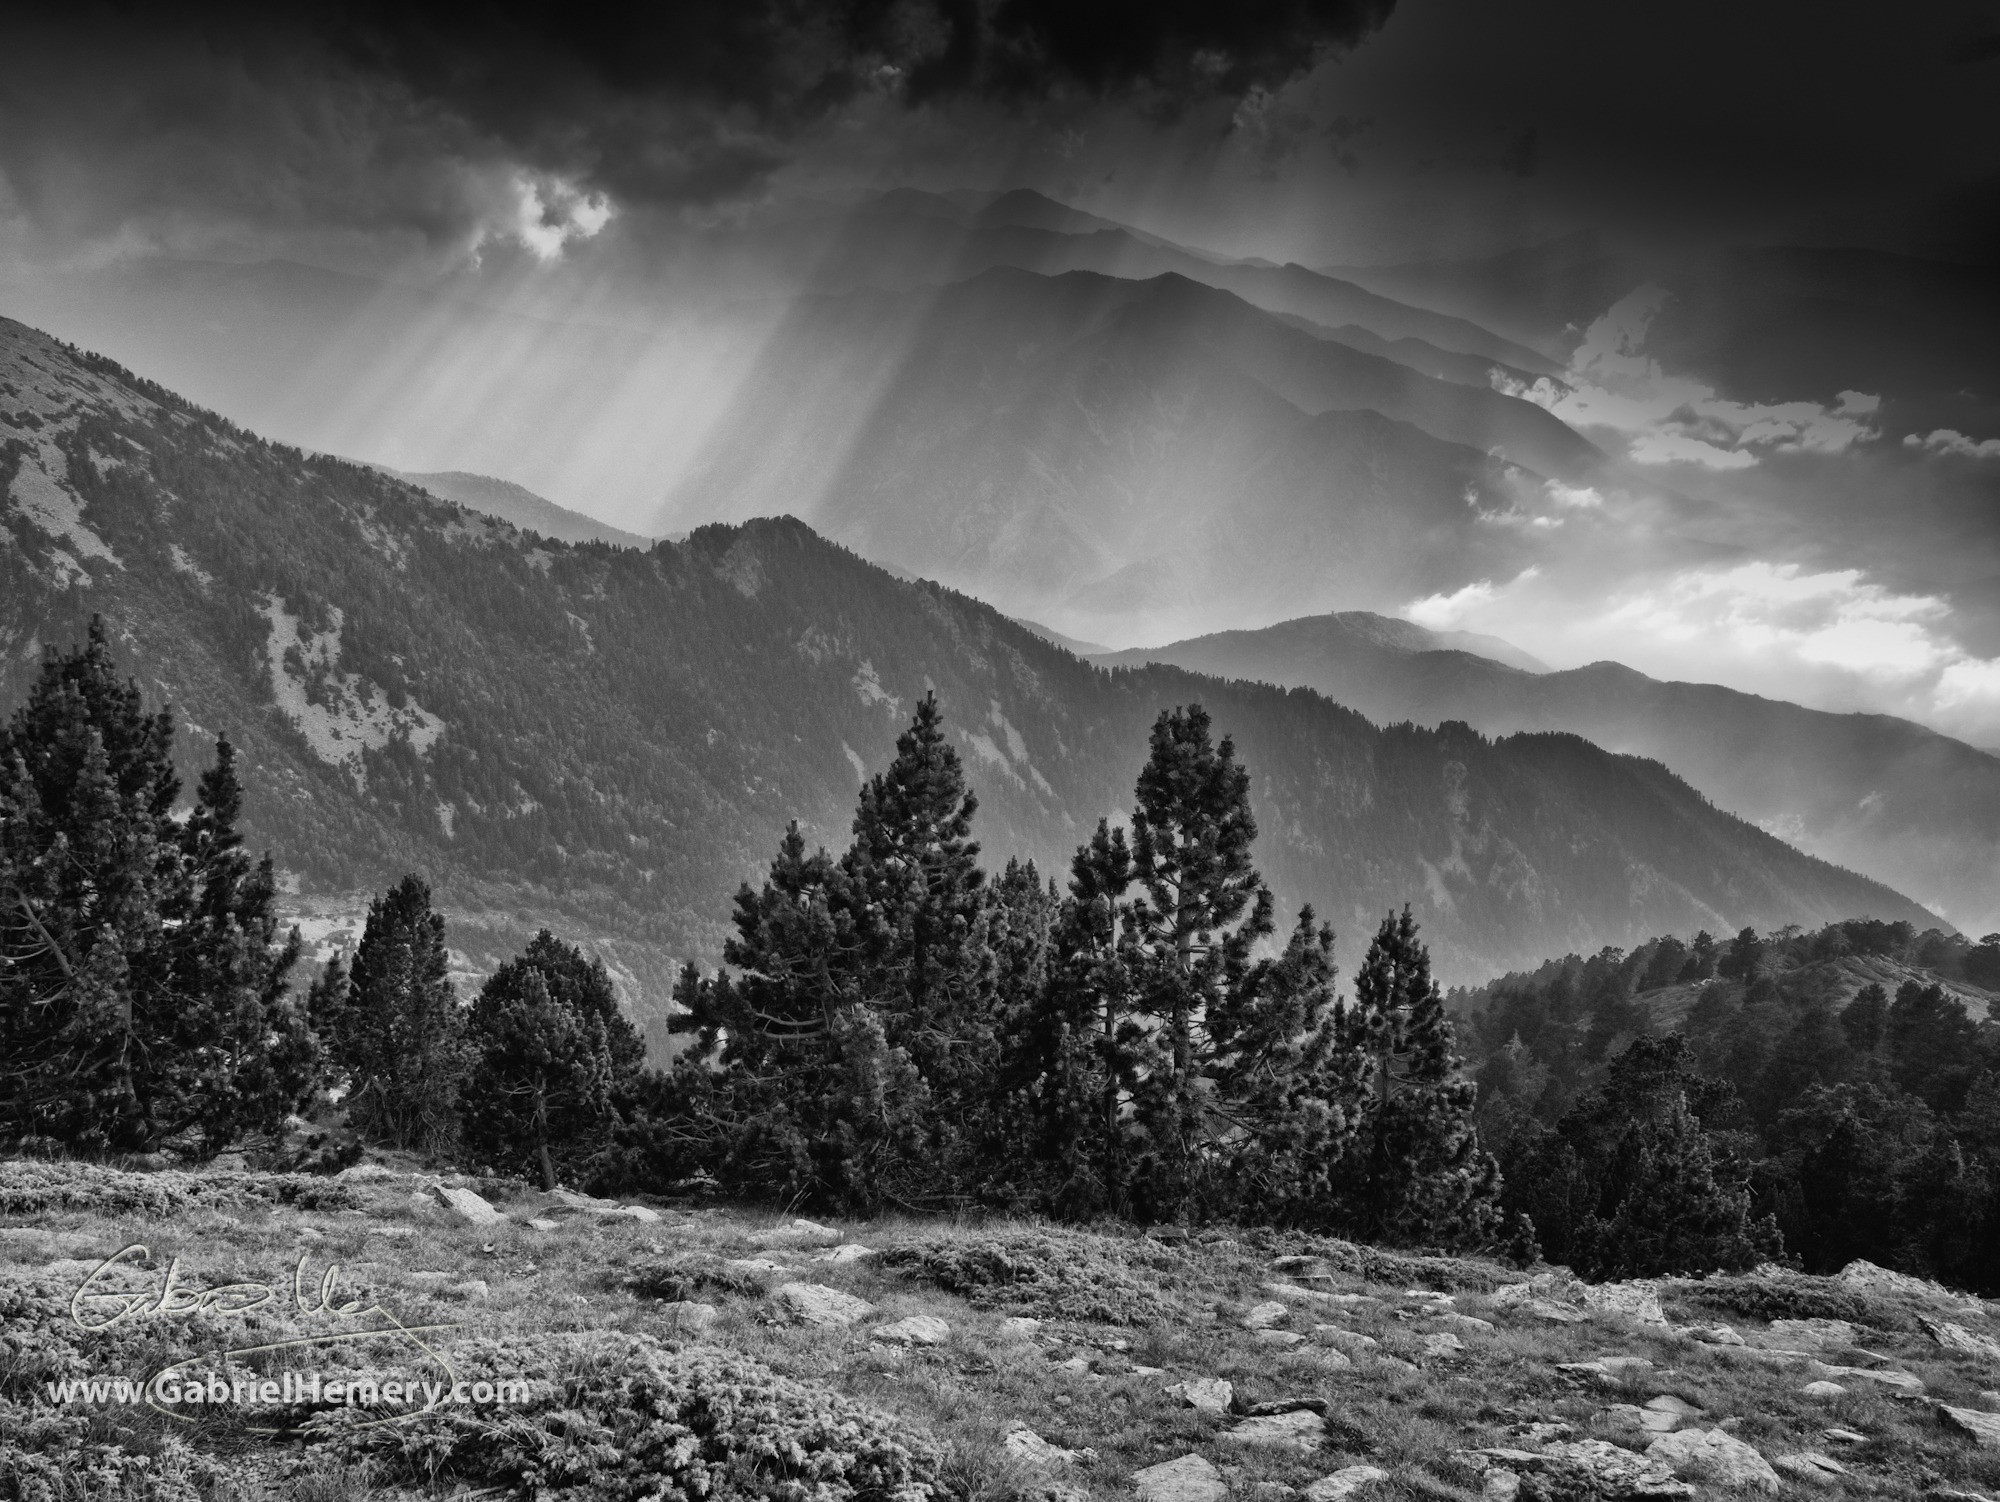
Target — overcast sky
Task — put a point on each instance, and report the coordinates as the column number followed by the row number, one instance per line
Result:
column 554, row 155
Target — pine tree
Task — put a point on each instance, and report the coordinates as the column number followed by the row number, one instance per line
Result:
column 142, row 982
column 1189, row 933
column 1416, row 1172
column 554, row 1055
column 925, row 963
column 400, row 1033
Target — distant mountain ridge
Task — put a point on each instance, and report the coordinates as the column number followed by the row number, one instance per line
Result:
column 522, row 507
column 608, row 741
column 1894, row 799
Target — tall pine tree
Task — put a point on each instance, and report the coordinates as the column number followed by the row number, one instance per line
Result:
column 142, row 980
column 397, row 1028
column 1415, row 1171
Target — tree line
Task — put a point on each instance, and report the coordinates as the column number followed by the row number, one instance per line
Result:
column 1694, row 1103
column 890, row 1027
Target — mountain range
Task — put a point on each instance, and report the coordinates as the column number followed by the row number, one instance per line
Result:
column 608, row 741
column 1907, row 805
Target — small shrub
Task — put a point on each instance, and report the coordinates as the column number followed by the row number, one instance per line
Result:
column 676, row 1276
column 617, row 1418
column 1075, row 1277
column 36, row 1188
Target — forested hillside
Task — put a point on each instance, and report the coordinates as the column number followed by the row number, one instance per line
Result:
column 609, row 741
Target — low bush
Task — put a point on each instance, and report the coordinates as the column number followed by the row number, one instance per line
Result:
column 30, row 1187
column 618, row 1417
column 676, row 1276
column 1072, row 1276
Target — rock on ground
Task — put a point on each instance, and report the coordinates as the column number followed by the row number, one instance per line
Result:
column 798, row 1233
column 1811, row 1467
column 1636, row 1300
column 1265, row 1316
column 468, row 1206
column 851, row 1252
column 1714, row 1335
column 684, row 1314
column 1716, row 1456
column 1301, row 1430
column 1352, row 1342
column 1824, row 1389
column 1209, row 1394
column 1442, row 1347
column 1902, row 1381
column 1278, row 1337
column 917, row 1330
column 1189, row 1479
column 1020, row 1326
column 813, row 1304
column 1957, row 1338
column 1983, row 1429
column 1584, row 1467
column 1024, row 1444
column 539, row 1224
column 1814, row 1334
column 1344, row 1483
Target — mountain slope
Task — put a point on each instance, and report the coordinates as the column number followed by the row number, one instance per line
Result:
column 1086, row 450
column 522, row 507
column 1900, row 802
column 609, row 741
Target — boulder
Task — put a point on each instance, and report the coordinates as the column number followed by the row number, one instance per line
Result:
column 1334, row 1360
column 1983, row 1429
column 686, row 1315
column 1188, row 1479
column 814, row 1304
column 468, row 1206
column 639, row 1213
column 1500, row 1485
column 1562, row 1314
column 1300, row 1430
column 1715, row 1456
column 1824, row 1389
column 1281, row 1338
column 1637, row 1300
column 1265, row 1316
column 758, row 1265
column 917, row 1330
column 1811, row 1467
column 1344, row 1483
column 845, row 1253
column 1024, row 1444
column 1845, row 1436
column 1443, row 1346
column 1209, row 1394
column 797, row 1233
column 1605, row 1369
column 1299, row 1295
column 1813, row 1334
column 1714, row 1335
column 1584, row 1467
column 1019, row 1326
column 1882, row 1377
column 539, row 1224
column 1352, row 1342
column 1467, row 1324
column 1866, row 1277
column 1680, row 1408
column 1961, row 1340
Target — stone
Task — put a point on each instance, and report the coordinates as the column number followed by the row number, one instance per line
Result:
column 1284, row 1339
column 1824, row 1389
column 685, row 1314
column 473, row 1288
column 1636, row 1300
column 468, row 1206
column 1344, row 1483
column 636, row 1212
column 1265, row 1316
column 1901, row 1381
column 1500, row 1485
column 1076, row 1366
column 1811, row 1467
column 1590, row 1467
column 797, row 1233
column 1666, row 1402
column 1845, row 1436
column 847, row 1252
column 1562, row 1314
column 917, row 1330
column 1716, row 1335
column 1300, row 1430
column 1605, row 1369
column 1352, row 1342
column 1443, row 1346
column 1813, row 1334
column 1019, row 1326
column 1961, row 1340
column 1983, row 1429
column 394, row 1233
column 1715, row 1456
column 539, row 1224
column 1300, row 1295
column 1188, row 1479
column 1866, row 1277
column 1024, row 1444
column 1149, row 1371
column 1334, row 1360
column 814, row 1304
column 1209, row 1394
column 1468, row 1324
column 757, row 1265
column 364, row 1173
